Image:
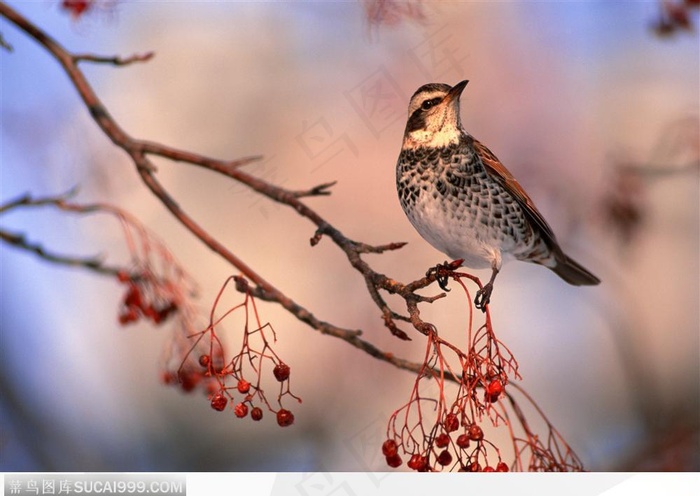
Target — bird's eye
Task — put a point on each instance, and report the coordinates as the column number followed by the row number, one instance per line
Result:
column 430, row 103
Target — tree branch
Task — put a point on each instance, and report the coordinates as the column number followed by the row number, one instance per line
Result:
column 93, row 263
column 139, row 151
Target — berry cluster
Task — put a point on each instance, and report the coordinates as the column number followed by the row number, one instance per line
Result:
column 143, row 301
column 674, row 16
column 237, row 381
column 221, row 398
column 421, row 463
column 212, row 380
column 456, row 395
column 440, row 427
column 451, row 444
column 77, row 8
column 453, row 439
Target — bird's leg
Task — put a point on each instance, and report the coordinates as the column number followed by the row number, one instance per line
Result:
column 483, row 296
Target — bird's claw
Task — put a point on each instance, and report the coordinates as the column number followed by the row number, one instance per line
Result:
column 483, row 296
column 442, row 272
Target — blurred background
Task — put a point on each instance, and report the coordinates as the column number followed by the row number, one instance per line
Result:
column 592, row 105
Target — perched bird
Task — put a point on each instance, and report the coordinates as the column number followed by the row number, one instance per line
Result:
column 464, row 202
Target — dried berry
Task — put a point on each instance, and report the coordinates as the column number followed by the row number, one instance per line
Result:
column 243, row 386
column 281, row 372
column 442, row 440
column 444, row 458
column 218, row 402
column 128, row 316
column 285, row 418
column 168, row 378
column 204, row 360
column 394, row 461
column 494, row 390
column 463, row 441
column 475, row 433
column 451, row 422
column 76, row 8
column 133, row 297
column 188, row 380
column 418, row 462
column 256, row 413
column 241, row 410
column 389, row 448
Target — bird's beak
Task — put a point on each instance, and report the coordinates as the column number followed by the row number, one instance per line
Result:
column 455, row 92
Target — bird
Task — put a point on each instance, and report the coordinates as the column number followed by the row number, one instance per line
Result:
column 462, row 200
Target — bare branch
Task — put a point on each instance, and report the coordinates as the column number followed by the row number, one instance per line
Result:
column 4, row 44
column 116, row 60
column 92, row 263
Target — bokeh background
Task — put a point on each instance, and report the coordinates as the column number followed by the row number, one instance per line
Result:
column 593, row 111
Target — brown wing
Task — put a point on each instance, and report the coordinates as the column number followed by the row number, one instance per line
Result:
column 565, row 267
column 497, row 171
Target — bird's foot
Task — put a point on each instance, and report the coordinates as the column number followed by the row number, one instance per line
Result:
column 483, row 296
column 443, row 271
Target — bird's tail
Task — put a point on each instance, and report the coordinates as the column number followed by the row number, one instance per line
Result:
column 573, row 272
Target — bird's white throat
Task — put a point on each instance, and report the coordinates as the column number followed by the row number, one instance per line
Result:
column 448, row 134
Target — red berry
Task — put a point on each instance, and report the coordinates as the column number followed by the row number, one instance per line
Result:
column 151, row 313
column 463, row 441
column 133, row 297
column 502, row 467
column 394, row 461
column 494, row 390
column 256, row 413
column 123, row 276
column 204, row 360
column 679, row 15
column 418, row 462
column 188, row 380
column 76, row 7
column 444, row 458
column 243, row 386
column 281, row 372
column 474, row 467
column 487, row 468
column 389, row 448
column 442, row 440
column 475, row 433
column 241, row 410
column 285, row 418
column 165, row 311
column 451, row 422
column 168, row 378
column 128, row 316
column 218, row 402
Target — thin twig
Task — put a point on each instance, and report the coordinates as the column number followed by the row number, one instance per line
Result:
column 116, row 60
column 4, row 44
column 93, row 263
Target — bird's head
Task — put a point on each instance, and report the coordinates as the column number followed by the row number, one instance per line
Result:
column 433, row 116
